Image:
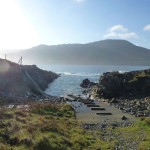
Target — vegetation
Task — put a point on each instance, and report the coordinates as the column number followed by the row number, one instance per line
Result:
column 137, row 135
column 43, row 126
column 139, row 75
column 51, row 126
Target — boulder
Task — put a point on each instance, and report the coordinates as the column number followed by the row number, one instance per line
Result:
column 124, row 118
column 86, row 83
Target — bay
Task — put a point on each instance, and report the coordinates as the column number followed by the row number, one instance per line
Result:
column 72, row 76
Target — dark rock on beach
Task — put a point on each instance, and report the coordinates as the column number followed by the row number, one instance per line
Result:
column 124, row 118
column 86, row 83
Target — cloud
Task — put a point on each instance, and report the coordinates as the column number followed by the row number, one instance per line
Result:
column 116, row 28
column 121, row 35
column 147, row 28
column 119, row 31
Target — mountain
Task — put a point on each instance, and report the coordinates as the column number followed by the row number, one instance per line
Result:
column 22, row 81
column 105, row 52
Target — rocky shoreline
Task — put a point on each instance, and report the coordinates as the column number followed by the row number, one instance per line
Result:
column 21, row 82
column 106, row 128
column 136, row 107
column 97, row 113
column 129, row 91
column 111, row 126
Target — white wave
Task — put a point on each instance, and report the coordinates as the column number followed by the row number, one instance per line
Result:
column 79, row 74
column 122, row 71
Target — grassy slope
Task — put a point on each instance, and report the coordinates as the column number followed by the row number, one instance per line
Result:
column 43, row 127
column 47, row 126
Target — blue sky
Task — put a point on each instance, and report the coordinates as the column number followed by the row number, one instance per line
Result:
column 26, row 23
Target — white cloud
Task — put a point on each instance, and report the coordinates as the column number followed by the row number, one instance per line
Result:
column 120, row 28
column 119, row 31
column 121, row 35
column 147, row 28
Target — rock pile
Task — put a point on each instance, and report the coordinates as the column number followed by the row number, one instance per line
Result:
column 136, row 107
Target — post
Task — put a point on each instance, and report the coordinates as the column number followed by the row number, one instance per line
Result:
column 21, row 61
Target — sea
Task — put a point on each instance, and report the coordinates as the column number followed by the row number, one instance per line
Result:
column 72, row 75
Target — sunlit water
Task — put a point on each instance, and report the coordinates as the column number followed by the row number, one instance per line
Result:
column 72, row 76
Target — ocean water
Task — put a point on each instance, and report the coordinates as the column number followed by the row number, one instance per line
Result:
column 72, row 76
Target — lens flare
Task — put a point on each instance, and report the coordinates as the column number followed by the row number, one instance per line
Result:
column 4, row 66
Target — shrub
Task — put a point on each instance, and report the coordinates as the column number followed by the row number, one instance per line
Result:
column 5, row 115
column 31, row 128
column 21, row 113
column 13, row 141
column 21, row 120
column 50, row 126
column 27, row 141
column 43, row 144
column 44, row 108
column 147, row 121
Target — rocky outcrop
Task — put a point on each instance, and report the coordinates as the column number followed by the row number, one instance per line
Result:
column 128, row 84
column 22, row 81
column 86, row 83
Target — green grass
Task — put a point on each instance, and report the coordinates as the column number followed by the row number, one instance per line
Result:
column 49, row 126
column 139, row 75
column 139, row 132
column 44, row 126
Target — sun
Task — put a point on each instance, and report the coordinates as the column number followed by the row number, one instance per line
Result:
column 15, row 30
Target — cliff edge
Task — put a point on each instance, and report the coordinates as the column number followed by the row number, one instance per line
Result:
column 23, row 81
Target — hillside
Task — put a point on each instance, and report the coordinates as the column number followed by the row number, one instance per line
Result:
column 22, row 81
column 106, row 52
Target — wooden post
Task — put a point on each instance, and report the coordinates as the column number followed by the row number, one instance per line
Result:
column 20, row 61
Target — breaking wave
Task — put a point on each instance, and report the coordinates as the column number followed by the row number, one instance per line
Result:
column 79, row 74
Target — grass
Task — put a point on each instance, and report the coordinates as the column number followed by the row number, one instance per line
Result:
column 139, row 75
column 139, row 134
column 43, row 126
column 51, row 126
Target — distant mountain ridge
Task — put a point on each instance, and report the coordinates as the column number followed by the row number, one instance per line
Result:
column 105, row 52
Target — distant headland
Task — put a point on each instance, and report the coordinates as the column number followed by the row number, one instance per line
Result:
column 105, row 52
